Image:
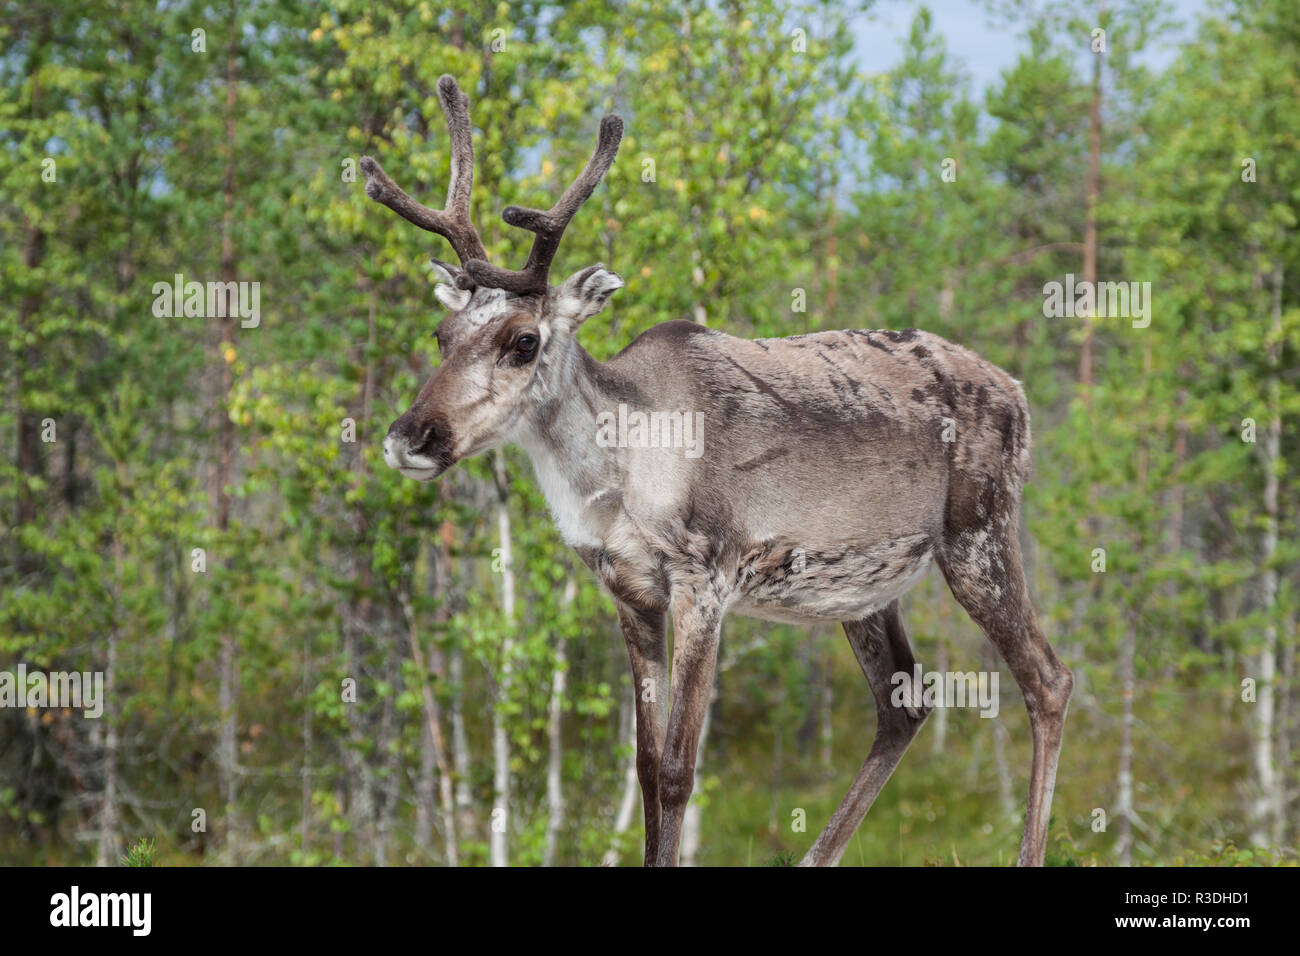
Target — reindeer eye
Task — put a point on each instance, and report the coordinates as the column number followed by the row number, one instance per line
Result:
column 526, row 344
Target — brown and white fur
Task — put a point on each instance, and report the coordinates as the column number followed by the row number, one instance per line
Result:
column 824, row 491
column 835, row 467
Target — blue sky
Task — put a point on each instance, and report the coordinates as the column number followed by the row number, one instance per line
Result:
column 983, row 48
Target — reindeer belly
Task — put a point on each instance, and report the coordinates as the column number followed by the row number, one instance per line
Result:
column 790, row 584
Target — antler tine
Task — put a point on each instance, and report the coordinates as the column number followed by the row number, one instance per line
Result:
column 549, row 225
column 453, row 221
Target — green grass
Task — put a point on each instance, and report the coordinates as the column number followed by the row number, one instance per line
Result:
column 1189, row 767
column 142, row 853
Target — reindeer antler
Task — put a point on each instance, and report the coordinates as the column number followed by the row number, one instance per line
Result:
column 452, row 222
column 549, row 226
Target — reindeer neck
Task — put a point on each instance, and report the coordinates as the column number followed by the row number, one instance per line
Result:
column 559, row 435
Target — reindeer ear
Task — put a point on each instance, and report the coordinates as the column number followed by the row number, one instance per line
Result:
column 448, row 293
column 585, row 293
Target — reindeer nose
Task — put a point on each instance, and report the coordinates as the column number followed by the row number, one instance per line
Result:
column 393, row 452
column 416, row 445
column 398, row 444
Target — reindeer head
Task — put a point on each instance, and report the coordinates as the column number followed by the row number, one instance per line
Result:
column 505, row 338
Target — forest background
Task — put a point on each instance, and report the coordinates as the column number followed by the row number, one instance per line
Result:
column 311, row 660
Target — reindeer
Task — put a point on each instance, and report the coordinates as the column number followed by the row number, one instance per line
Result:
column 837, row 466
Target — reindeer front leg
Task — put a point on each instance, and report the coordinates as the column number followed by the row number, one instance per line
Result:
column 697, row 611
column 647, row 649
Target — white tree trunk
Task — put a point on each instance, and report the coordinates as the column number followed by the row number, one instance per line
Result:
column 555, row 741
column 939, row 736
column 500, row 737
column 434, row 749
column 108, row 809
column 1285, row 731
column 386, row 782
column 426, row 789
column 1124, row 811
column 460, row 759
column 631, row 788
column 1267, row 810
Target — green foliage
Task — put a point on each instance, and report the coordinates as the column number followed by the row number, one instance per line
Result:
column 141, row 853
column 1227, row 853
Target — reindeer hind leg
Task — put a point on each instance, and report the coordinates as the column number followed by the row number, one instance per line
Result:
column 882, row 649
column 982, row 565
